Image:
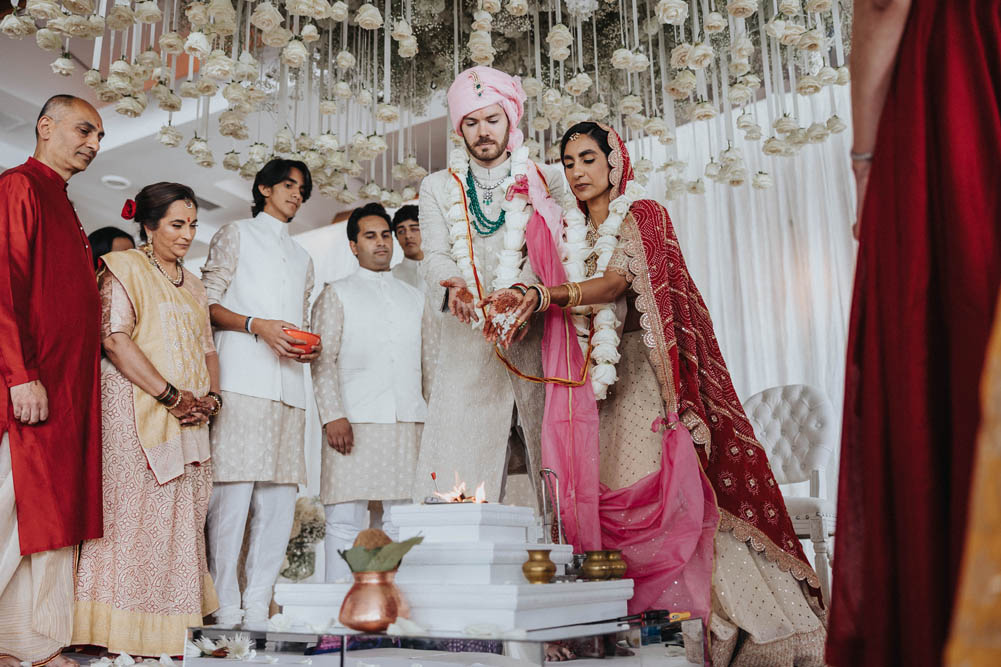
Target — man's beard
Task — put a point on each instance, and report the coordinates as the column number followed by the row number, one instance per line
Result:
column 493, row 155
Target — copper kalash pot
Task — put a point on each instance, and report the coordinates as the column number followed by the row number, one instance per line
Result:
column 373, row 602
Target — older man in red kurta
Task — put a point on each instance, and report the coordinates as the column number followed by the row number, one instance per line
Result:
column 50, row 403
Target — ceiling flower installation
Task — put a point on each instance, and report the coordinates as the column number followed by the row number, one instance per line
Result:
column 338, row 78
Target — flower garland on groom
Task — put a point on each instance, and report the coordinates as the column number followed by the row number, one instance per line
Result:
column 473, row 224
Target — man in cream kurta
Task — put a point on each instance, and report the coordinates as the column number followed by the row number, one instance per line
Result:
column 407, row 230
column 367, row 386
column 258, row 280
column 480, row 415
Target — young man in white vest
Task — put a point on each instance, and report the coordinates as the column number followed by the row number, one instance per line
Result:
column 367, row 386
column 258, row 280
column 407, row 230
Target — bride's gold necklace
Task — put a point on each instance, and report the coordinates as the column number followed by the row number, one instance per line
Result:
column 176, row 282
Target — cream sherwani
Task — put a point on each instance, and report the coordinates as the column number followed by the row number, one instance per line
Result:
column 370, row 374
column 473, row 397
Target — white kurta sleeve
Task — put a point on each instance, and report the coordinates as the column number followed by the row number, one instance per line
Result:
column 310, row 283
column 220, row 266
column 429, row 347
column 328, row 323
column 556, row 181
column 437, row 264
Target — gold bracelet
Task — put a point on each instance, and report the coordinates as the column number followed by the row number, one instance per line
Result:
column 574, row 294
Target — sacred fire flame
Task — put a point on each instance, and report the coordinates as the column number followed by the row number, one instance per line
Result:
column 458, row 494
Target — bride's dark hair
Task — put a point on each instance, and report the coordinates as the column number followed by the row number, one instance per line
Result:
column 590, row 129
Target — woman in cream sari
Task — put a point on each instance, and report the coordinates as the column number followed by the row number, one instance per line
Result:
column 146, row 581
column 666, row 468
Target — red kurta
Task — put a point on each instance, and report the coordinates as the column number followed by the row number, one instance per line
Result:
column 50, row 331
column 929, row 267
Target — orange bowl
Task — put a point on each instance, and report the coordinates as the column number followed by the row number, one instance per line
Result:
column 311, row 339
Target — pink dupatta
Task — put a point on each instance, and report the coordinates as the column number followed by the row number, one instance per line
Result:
column 664, row 523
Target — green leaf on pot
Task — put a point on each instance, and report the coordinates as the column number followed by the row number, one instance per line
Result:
column 358, row 558
column 383, row 559
column 388, row 557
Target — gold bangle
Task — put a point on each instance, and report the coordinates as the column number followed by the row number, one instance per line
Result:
column 574, row 294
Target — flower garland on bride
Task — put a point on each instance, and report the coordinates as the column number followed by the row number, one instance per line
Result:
column 574, row 249
column 575, row 254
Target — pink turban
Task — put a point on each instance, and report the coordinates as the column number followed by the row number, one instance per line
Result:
column 479, row 87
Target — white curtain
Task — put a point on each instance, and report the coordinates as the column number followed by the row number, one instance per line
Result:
column 775, row 266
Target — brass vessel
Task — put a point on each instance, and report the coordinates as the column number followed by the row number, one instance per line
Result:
column 539, row 568
column 616, row 564
column 596, row 567
column 373, row 602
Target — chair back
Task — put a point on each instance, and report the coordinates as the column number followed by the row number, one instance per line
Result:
column 795, row 424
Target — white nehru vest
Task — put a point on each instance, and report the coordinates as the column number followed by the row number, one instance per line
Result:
column 380, row 357
column 269, row 283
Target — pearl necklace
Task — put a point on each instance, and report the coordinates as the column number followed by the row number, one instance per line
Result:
column 148, row 249
column 488, row 188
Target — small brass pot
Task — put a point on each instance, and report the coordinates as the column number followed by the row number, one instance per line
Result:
column 596, row 567
column 616, row 564
column 373, row 602
column 539, row 568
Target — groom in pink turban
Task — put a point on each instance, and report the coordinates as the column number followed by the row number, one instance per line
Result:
column 474, row 96
column 482, row 420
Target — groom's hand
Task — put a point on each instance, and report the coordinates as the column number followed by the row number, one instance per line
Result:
column 460, row 300
column 512, row 305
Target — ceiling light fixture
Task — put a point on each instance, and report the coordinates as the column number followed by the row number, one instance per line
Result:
column 116, row 182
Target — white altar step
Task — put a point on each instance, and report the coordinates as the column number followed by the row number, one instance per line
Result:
column 473, row 562
column 453, row 608
column 464, row 522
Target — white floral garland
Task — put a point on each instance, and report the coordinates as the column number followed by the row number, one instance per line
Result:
column 517, row 214
column 575, row 252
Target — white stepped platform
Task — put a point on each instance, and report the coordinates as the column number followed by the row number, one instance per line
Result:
column 464, row 522
column 468, row 572
column 449, row 608
column 473, row 562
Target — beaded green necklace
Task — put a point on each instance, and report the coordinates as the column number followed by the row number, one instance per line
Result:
column 484, row 226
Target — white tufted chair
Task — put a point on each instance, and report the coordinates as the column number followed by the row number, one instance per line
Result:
column 795, row 424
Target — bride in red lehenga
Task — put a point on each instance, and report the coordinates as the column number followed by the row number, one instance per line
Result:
column 667, row 468
column 926, row 98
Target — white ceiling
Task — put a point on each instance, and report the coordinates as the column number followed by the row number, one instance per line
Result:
column 130, row 148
